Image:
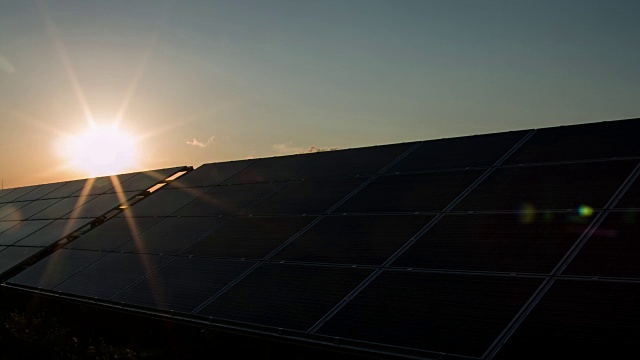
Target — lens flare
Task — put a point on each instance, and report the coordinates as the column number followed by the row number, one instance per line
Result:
column 585, row 210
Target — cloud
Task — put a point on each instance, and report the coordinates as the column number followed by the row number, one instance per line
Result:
column 6, row 66
column 286, row 148
column 200, row 144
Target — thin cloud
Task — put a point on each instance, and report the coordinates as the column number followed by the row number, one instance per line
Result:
column 6, row 66
column 285, row 148
column 200, row 144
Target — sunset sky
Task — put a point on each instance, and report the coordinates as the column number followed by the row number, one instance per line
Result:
column 194, row 82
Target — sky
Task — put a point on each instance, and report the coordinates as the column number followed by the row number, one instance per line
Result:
column 196, row 82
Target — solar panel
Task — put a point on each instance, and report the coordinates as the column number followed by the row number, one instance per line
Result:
column 248, row 237
column 410, row 193
column 359, row 239
column 472, row 247
column 355, row 162
column 612, row 250
column 183, row 283
column 284, row 295
column 544, row 187
column 580, row 320
column 442, row 313
column 457, row 153
column 110, row 275
column 171, row 235
column 210, row 174
column 293, row 198
column 514, row 243
column 576, row 142
column 278, row 168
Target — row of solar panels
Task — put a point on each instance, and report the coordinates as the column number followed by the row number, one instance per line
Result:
column 448, row 248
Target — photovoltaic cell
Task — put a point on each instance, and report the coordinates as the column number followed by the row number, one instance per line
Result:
column 33, row 207
column 40, row 191
column 542, row 187
column 456, row 153
column 171, row 235
column 21, row 230
column 55, row 268
column 578, row 319
column 100, row 185
column 227, row 199
column 9, row 208
column 165, row 202
column 444, row 313
column 67, row 189
column 525, row 242
column 210, row 174
column 631, row 198
column 145, row 180
column 279, row 168
column 285, row 296
column 101, row 204
column 13, row 255
column 53, row 232
column 294, row 197
column 18, row 192
column 580, row 142
column 3, row 193
column 363, row 240
column 64, row 208
column 248, row 237
column 183, row 283
column 5, row 225
column 110, row 275
column 410, row 193
column 612, row 250
column 113, row 233
column 355, row 162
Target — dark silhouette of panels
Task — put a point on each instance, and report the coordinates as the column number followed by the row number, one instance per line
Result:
column 285, row 296
column 612, row 250
column 210, row 174
column 456, row 153
column 248, row 237
column 580, row 320
column 227, row 199
column 362, row 240
column 53, row 232
column 112, row 234
column 355, row 162
column 581, row 142
column 561, row 186
column 280, row 168
column 410, row 193
column 525, row 242
column 631, row 198
column 166, row 202
column 21, row 230
column 101, row 204
column 171, row 235
column 183, row 283
column 306, row 197
column 443, row 313
column 110, row 275
column 100, row 185
column 56, row 268
column 13, row 255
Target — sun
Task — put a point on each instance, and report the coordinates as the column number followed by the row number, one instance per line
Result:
column 101, row 149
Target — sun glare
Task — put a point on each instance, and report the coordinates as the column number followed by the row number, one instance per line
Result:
column 100, row 150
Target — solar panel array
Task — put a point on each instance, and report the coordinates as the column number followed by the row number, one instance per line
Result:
column 510, row 245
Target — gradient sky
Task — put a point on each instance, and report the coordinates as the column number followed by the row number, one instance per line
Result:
column 251, row 78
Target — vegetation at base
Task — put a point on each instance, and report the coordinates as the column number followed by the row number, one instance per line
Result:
column 25, row 335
